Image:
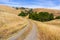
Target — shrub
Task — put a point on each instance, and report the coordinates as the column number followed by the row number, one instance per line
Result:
column 23, row 14
column 51, row 17
column 58, row 17
column 33, row 16
column 41, row 16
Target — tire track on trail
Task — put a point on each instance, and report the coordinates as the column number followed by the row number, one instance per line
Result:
column 33, row 33
column 21, row 34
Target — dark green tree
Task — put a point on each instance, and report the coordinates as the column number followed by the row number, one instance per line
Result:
column 22, row 14
column 43, row 16
column 33, row 16
column 58, row 17
column 51, row 16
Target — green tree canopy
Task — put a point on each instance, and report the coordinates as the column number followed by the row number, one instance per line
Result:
column 22, row 14
column 41, row 16
column 58, row 17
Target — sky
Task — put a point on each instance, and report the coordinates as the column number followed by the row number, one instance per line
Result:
column 54, row 4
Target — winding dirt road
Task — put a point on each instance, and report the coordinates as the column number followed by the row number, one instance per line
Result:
column 21, row 35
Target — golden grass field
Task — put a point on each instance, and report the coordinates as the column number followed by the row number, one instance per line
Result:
column 11, row 24
column 47, row 32
column 54, row 22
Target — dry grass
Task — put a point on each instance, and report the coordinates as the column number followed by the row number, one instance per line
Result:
column 54, row 22
column 9, row 9
column 10, row 24
column 47, row 32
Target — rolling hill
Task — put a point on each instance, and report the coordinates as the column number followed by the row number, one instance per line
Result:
column 8, row 9
column 13, row 27
column 54, row 11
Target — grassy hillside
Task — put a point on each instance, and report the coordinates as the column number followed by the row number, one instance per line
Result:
column 54, row 11
column 47, row 32
column 54, row 22
column 10, row 24
column 8, row 9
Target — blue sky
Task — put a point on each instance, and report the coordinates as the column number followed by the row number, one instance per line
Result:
column 55, row 4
